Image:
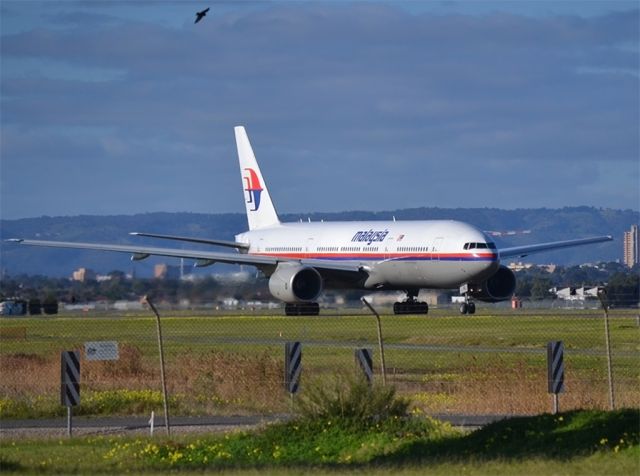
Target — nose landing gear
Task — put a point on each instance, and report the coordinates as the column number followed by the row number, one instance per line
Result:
column 411, row 305
column 468, row 307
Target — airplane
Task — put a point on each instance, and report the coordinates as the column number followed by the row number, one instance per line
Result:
column 300, row 260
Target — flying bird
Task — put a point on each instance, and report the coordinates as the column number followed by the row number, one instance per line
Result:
column 201, row 15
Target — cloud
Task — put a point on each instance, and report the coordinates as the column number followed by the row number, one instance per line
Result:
column 386, row 107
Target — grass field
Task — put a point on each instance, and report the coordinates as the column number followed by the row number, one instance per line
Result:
column 571, row 443
column 491, row 363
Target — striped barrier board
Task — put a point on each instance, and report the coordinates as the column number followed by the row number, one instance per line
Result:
column 70, row 378
column 292, row 366
column 555, row 367
column 364, row 361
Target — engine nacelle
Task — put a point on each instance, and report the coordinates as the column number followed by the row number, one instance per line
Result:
column 498, row 287
column 295, row 283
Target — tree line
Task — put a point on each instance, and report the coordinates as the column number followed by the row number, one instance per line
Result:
column 622, row 283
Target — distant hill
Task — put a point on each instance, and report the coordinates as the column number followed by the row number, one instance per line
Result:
column 544, row 225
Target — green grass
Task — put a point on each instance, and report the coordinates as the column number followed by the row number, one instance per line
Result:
column 579, row 330
column 577, row 442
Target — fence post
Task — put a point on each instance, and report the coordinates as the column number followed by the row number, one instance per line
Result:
column 70, row 383
column 364, row 362
column 555, row 370
column 380, row 343
column 162, row 373
column 292, row 366
column 604, row 300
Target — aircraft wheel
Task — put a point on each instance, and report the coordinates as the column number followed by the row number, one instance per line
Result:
column 404, row 308
column 302, row 309
column 310, row 309
column 290, row 309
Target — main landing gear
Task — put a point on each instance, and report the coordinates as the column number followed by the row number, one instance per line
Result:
column 411, row 305
column 302, row 309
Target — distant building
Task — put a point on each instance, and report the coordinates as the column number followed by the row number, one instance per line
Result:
column 83, row 274
column 166, row 271
column 520, row 266
column 13, row 307
column 431, row 297
column 435, row 298
column 631, row 255
column 577, row 294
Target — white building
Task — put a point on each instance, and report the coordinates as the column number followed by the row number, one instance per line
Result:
column 630, row 244
column 577, row 294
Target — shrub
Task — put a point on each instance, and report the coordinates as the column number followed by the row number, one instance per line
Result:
column 50, row 305
column 352, row 401
column 35, row 306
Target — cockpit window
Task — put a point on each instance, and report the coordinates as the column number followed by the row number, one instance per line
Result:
column 484, row 246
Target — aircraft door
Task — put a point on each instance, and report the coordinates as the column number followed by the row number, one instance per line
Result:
column 436, row 248
column 309, row 247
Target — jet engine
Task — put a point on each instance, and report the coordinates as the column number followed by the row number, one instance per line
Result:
column 295, row 283
column 498, row 287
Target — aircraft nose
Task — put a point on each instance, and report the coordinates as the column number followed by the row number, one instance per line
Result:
column 493, row 264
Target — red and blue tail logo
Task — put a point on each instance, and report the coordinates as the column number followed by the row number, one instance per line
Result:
column 253, row 188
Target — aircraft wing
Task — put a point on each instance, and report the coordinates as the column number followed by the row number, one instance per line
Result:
column 528, row 249
column 231, row 244
column 203, row 258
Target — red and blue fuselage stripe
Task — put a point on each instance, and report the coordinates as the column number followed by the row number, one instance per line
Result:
column 387, row 256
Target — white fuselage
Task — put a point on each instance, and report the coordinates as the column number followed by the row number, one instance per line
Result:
column 396, row 255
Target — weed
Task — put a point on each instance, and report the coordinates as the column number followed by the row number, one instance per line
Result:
column 130, row 402
column 351, row 400
column 9, row 465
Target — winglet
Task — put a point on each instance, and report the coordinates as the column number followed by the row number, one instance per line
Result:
column 260, row 210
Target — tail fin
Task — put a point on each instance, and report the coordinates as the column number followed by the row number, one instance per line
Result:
column 260, row 210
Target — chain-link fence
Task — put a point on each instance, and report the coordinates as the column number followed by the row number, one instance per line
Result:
column 218, row 363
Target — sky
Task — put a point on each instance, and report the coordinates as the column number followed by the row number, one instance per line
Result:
column 116, row 107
